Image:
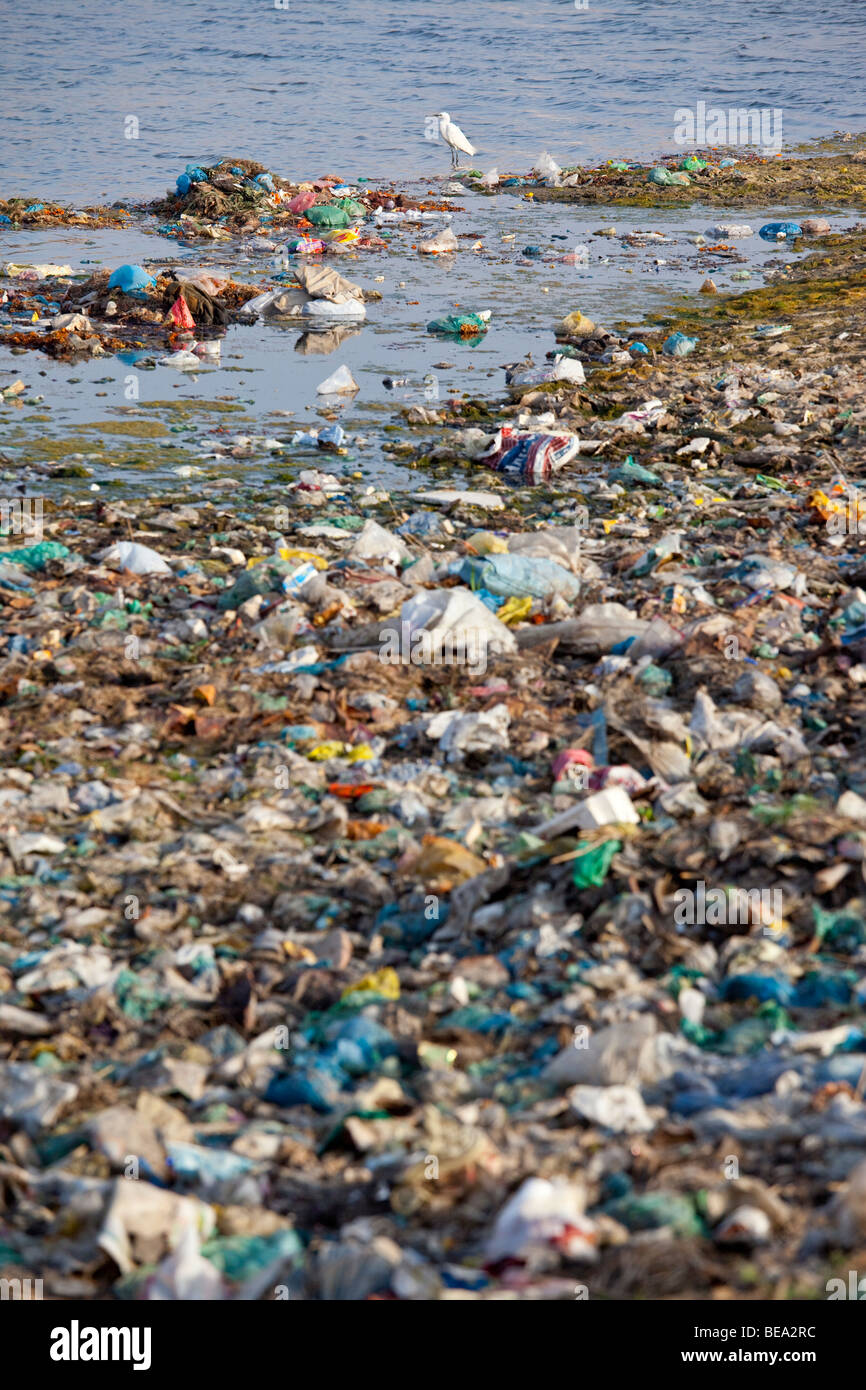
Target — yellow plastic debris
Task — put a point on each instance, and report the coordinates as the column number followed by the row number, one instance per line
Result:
column 577, row 325
column 323, row 751
column 514, row 610
column 447, row 860
column 486, row 543
column 384, row 982
column 296, row 952
column 289, row 553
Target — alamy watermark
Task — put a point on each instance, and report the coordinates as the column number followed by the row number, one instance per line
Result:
column 719, row 907
column 854, row 1290
column 739, row 125
column 21, row 516
column 21, row 1290
column 847, row 514
column 77, row 1343
column 402, row 647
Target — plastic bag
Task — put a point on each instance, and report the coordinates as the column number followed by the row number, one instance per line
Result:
column 560, row 369
column 339, row 382
column 529, row 458
column 679, row 345
column 321, row 282
column 453, row 622
column 780, row 231
column 546, row 166
column 302, row 201
column 541, row 1217
column 374, row 542
column 460, row 325
column 136, row 558
column 513, row 576
column 328, row 215
column 442, row 241
column 180, row 314
column 348, row 310
column 131, row 279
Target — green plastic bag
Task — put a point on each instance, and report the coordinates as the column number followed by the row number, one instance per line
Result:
column 36, row 557
column 650, row 1210
column 631, row 472
column 841, row 929
column 592, row 868
column 664, row 176
column 458, row 325
column 328, row 215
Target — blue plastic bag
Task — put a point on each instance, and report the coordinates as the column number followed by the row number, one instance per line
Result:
column 131, row 279
column 516, row 576
column 780, row 231
column 679, row 345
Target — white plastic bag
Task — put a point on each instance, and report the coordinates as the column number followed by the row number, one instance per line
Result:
column 374, row 542
column 546, row 166
column 540, row 1217
column 448, row 626
column 349, row 310
column 340, row 382
column 442, row 241
column 137, row 558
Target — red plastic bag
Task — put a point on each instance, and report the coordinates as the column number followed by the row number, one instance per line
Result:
column 180, row 314
column 302, row 201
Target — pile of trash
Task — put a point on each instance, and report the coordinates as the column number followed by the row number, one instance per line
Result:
column 240, row 196
column 37, row 213
column 452, row 891
column 405, row 898
column 113, row 311
column 709, row 174
column 130, row 308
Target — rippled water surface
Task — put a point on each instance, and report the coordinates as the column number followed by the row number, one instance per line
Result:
column 345, row 85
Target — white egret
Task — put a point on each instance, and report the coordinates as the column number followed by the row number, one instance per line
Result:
column 453, row 136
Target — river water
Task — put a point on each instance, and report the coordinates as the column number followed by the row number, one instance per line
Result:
column 103, row 98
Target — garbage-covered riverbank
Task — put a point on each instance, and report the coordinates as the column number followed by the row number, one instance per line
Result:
column 451, row 890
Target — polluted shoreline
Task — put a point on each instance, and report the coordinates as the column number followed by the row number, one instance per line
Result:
column 453, row 889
